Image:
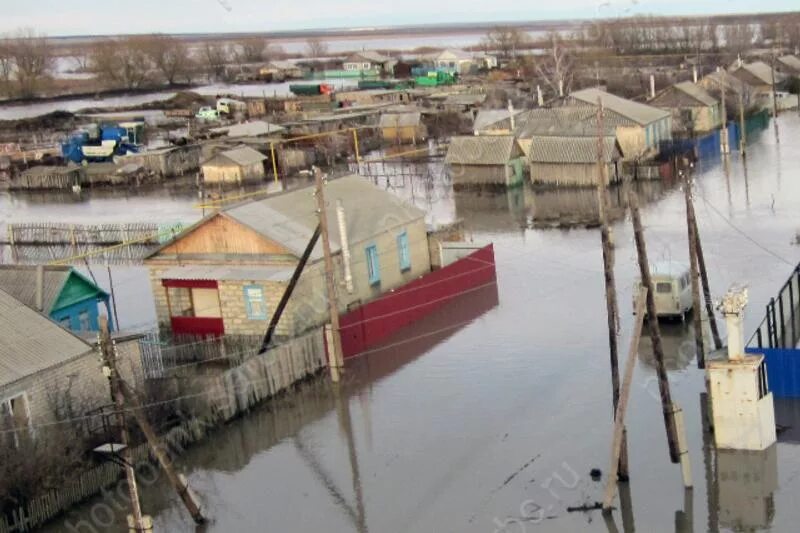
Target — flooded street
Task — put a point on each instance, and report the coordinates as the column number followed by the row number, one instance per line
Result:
column 489, row 416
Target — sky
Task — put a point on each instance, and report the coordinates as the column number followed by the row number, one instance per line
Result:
column 98, row 17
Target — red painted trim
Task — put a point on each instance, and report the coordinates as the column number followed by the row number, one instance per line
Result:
column 187, row 325
column 368, row 325
column 190, row 283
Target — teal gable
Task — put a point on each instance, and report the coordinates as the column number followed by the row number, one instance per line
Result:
column 76, row 306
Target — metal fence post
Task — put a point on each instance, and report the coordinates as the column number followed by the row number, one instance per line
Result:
column 760, row 340
column 791, row 309
column 774, row 340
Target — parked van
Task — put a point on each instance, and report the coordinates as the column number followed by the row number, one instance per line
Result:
column 673, row 289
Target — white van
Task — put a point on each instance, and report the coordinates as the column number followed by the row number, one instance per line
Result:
column 673, row 289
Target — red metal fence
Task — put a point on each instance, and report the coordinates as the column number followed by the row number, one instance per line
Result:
column 371, row 323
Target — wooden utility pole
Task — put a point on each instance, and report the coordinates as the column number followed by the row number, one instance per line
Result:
column 725, row 146
column 655, row 332
column 701, row 263
column 336, row 361
column 742, row 127
column 774, row 99
column 177, row 481
column 619, row 417
column 695, row 275
column 612, row 307
column 110, row 369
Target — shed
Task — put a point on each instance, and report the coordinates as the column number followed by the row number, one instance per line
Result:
column 166, row 162
column 491, row 160
column 402, row 127
column 234, row 166
column 48, row 177
column 571, row 160
column 252, row 128
column 496, row 121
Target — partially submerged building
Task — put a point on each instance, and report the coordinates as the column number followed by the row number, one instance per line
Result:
column 404, row 127
column 59, row 292
column 693, row 109
column 234, row 166
column 758, row 76
column 369, row 62
column 639, row 127
column 486, row 160
column 572, row 161
column 226, row 274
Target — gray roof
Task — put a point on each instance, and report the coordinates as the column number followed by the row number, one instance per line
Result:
column 254, row 128
column 30, row 343
column 457, row 53
column 488, row 117
column 481, row 150
column 290, row 218
column 552, row 149
column 19, row 281
column 696, row 92
column 464, row 99
column 567, row 121
column 761, row 71
column 400, row 120
column 242, row 155
column 642, row 114
column 732, row 83
column 228, row 273
column 371, row 56
column 793, row 62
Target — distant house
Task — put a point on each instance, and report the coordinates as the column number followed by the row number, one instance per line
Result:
column 252, row 128
column 234, row 166
column 463, row 103
column 280, row 70
column 736, row 90
column 497, row 121
column 642, row 126
column 402, row 127
column 693, row 108
column 572, row 161
column 372, row 96
column 564, row 122
column 486, row 160
column 454, row 60
column 758, row 76
column 369, row 62
column 484, row 60
column 789, row 65
column 227, row 273
column 44, row 367
column 59, row 292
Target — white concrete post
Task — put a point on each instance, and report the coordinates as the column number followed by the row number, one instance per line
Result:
column 511, row 115
column 694, row 73
column 732, row 307
column 652, row 85
column 539, row 97
column 561, row 88
column 345, row 244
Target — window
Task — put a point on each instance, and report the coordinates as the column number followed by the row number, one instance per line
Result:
column 193, row 302
column 664, row 287
column 180, row 301
column 373, row 266
column 83, row 321
column 403, row 252
column 254, row 302
column 14, row 415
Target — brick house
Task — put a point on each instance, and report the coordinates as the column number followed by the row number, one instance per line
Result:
column 227, row 273
column 44, row 367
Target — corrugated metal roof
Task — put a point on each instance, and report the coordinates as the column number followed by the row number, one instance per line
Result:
column 550, row 149
column 371, row 56
column 242, row 155
column 642, row 114
column 290, row 218
column 30, row 343
column 19, row 281
column 793, row 62
column 488, row 117
column 696, row 92
column 228, row 273
column 567, row 121
column 761, row 71
column 254, row 128
column 464, row 99
column 481, row 150
column 400, row 120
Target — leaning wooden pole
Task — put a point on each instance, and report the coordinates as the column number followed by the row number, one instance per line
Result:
column 619, row 418
column 695, row 275
column 655, row 332
column 110, row 368
column 612, row 307
column 177, row 481
column 701, row 264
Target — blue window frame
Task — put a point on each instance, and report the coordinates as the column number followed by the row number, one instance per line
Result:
column 403, row 251
column 254, row 302
column 373, row 266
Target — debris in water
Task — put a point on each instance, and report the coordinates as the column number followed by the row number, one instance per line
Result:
column 596, row 474
column 515, row 474
column 585, row 507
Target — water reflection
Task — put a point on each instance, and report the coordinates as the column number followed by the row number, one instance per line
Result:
column 746, row 482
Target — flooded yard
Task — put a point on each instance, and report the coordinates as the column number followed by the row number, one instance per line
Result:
column 489, row 416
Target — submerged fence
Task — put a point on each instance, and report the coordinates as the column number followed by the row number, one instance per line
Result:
column 217, row 398
column 777, row 336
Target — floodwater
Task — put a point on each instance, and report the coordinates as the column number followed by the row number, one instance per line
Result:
column 489, row 416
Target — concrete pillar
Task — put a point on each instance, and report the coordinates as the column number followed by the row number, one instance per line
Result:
column 652, row 85
column 539, row 97
column 345, row 244
column 511, row 115
column 694, row 73
column 732, row 307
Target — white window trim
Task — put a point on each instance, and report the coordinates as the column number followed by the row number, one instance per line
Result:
column 30, row 429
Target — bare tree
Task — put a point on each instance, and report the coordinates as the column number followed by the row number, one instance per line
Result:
column 251, row 50
column 738, row 37
column 315, row 48
column 6, row 66
column 214, row 56
column 555, row 69
column 506, row 40
column 32, row 59
column 170, row 56
column 121, row 62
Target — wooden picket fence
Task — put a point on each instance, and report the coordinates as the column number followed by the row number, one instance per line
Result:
column 226, row 396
